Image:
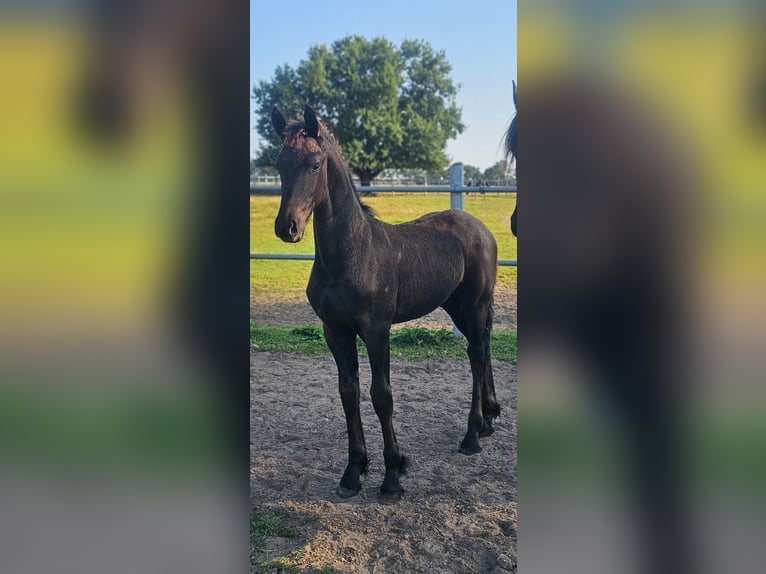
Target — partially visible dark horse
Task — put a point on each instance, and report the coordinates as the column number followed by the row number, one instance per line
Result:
column 368, row 274
column 510, row 151
column 608, row 218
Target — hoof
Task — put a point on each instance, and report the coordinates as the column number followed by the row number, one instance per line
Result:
column 469, row 449
column 487, row 430
column 391, row 490
column 344, row 492
column 404, row 465
column 390, row 497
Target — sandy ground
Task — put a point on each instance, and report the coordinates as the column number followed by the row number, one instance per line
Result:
column 458, row 513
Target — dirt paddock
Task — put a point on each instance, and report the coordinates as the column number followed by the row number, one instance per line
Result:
column 458, row 513
column 267, row 311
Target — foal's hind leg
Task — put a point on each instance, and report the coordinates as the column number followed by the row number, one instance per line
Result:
column 342, row 343
column 475, row 323
column 489, row 405
column 470, row 443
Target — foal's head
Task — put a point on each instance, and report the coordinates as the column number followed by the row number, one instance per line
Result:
column 302, row 165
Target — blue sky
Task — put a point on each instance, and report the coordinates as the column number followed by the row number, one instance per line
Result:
column 478, row 36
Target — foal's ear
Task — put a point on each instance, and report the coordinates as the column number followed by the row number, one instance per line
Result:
column 312, row 124
column 278, row 122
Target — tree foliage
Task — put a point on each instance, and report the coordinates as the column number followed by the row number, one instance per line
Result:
column 471, row 173
column 389, row 106
column 498, row 172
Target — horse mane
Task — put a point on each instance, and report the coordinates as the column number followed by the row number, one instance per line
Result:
column 296, row 136
column 510, row 136
column 366, row 208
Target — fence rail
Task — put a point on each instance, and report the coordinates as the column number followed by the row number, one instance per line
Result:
column 456, row 189
column 310, row 257
column 276, row 190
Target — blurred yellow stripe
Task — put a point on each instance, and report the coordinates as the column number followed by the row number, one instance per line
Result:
column 83, row 225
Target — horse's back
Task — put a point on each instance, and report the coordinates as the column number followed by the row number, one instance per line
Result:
column 446, row 233
column 478, row 243
column 469, row 230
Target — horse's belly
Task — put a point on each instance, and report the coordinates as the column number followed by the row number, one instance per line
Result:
column 414, row 312
column 418, row 298
column 342, row 302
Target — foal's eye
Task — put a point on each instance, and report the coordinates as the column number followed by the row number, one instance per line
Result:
column 315, row 167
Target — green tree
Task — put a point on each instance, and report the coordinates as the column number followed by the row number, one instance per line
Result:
column 258, row 170
column 498, row 172
column 471, row 174
column 389, row 106
column 440, row 177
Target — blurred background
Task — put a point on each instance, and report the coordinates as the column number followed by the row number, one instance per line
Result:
column 641, row 280
column 123, row 298
column 123, row 331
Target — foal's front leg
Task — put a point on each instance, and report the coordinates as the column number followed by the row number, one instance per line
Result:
column 342, row 343
column 396, row 464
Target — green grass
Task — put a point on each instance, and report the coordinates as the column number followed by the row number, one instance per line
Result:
column 406, row 342
column 264, row 526
column 110, row 430
column 287, row 279
column 291, row 565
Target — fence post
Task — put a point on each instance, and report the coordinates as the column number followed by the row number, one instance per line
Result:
column 456, row 202
column 455, row 183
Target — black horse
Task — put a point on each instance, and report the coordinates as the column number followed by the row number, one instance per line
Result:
column 510, row 151
column 608, row 220
column 368, row 274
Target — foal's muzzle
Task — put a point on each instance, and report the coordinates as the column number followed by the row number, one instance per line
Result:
column 288, row 230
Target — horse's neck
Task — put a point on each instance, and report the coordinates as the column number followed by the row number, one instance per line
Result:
column 340, row 221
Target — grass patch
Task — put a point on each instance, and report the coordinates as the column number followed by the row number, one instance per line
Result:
column 406, row 342
column 282, row 564
column 420, row 337
column 264, row 526
column 292, row 564
column 287, row 279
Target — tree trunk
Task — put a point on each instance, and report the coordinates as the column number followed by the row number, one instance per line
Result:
column 365, row 179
